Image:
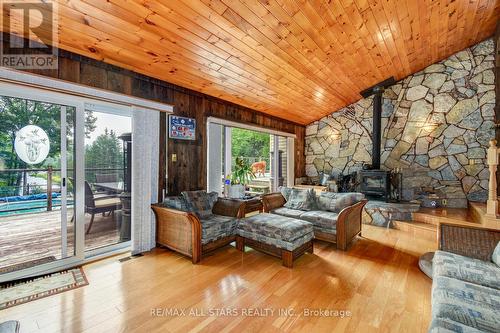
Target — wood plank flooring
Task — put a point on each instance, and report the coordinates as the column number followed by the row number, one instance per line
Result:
column 377, row 281
column 33, row 236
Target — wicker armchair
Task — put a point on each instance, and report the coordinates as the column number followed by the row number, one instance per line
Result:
column 469, row 241
column 348, row 222
column 181, row 231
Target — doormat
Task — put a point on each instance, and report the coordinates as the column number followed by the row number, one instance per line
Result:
column 26, row 264
column 32, row 289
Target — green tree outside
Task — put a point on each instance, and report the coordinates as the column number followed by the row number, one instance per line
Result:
column 15, row 113
column 251, row 145
column 104, row 153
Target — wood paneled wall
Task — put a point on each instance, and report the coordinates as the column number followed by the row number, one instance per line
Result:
column 189, row 172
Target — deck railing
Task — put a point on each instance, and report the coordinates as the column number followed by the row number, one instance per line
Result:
column 49, row 186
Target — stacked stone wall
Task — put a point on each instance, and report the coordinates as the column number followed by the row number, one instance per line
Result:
column 436, row 125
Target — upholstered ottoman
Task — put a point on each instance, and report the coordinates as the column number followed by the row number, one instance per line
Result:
column 283, row 237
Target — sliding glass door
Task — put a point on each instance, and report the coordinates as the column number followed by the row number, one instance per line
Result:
column 65, row 180
column 37, row 193
column 108, row 170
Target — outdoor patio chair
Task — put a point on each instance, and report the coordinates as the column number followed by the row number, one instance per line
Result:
column 102, row 204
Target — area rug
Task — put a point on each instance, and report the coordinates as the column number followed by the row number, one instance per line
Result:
column 26, row 264
column 33, row 289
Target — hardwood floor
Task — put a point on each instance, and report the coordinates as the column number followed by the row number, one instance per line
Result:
column 377, row 281
column 34, row 236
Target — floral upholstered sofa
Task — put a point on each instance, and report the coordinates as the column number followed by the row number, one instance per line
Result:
column 196, row 222
column 466, row 280
column 336, row 217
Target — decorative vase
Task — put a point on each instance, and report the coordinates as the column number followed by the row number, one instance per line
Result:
column 236, row 191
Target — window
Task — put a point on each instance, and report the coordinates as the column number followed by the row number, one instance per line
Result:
column 267, row 153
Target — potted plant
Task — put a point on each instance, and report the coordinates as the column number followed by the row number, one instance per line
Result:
column 241, row 176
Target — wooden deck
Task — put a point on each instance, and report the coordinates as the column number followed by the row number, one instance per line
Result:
column 29, row 237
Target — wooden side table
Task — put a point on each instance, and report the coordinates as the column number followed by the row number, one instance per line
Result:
column 253, row 205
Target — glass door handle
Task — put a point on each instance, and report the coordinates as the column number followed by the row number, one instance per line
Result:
column 64, row 182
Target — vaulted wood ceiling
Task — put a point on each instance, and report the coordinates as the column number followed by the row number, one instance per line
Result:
column 294, row 59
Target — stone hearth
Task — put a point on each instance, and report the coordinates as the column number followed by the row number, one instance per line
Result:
column 381, row 213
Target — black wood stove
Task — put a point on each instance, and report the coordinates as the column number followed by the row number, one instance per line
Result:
column 376, row 182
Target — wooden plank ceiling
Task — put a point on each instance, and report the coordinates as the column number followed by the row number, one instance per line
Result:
column 293, row 59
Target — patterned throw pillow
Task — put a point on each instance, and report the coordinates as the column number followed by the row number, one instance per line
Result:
column 335, row 202
column 302, row 199
column 212, row 199
column 285, row 192
column 200, row 202
column 495, row 257
column 176, row 202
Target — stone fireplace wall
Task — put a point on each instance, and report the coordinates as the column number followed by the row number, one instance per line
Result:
column 436, row 126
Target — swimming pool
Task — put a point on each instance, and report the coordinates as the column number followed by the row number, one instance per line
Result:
column 31, row 206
